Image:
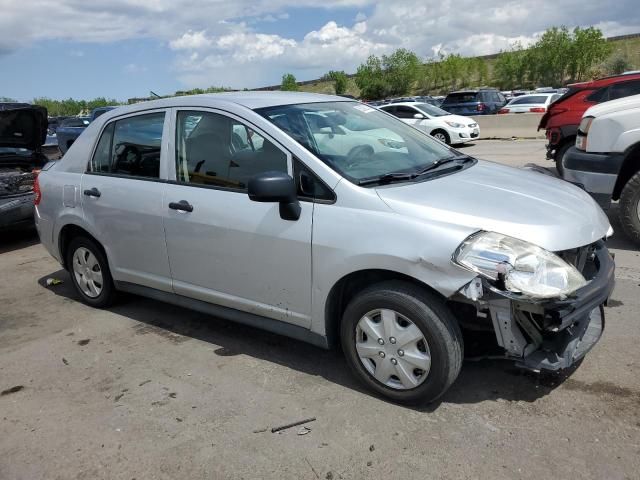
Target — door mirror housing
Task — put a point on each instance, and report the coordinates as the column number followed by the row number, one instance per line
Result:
column 419, row 116
column 276, row 187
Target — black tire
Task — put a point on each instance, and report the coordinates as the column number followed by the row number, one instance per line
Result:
column 629, row 214
column 447, row 139
column 430, row 314
column 108, row 294
column 559, row 154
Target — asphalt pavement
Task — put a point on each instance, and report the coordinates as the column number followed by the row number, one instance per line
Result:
column 147, row 390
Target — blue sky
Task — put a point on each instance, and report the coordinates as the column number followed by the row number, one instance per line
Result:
column 125, row 48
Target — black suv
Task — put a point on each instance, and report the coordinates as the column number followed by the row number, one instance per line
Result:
column 485, row 101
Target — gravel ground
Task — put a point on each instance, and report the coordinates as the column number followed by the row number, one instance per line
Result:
column 147, row 390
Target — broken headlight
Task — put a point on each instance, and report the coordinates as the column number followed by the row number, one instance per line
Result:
column 518, row 266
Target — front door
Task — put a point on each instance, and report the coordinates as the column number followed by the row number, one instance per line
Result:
column 122, row 199
column 224, row 248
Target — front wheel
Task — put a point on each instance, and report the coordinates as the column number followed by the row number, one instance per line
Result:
column 559, row 155
column 630, row 208
column 402, row 342
column 441, row 135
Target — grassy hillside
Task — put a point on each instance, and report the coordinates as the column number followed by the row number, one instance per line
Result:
column 629, row 47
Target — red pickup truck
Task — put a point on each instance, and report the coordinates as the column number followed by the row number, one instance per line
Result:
column 563, row 116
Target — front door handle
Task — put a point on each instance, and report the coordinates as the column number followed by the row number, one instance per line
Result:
column 182, row 205
column 94, row 192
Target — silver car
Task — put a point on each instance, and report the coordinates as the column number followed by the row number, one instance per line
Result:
column 331, row 222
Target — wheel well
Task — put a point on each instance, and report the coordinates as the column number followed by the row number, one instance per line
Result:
column 68, row 233
column 439, row 130
column 348, row 287
column 629, row 168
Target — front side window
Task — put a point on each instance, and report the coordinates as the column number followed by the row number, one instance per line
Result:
column 216, row 150
column 404, row 112
column 357, row 141
column 130, row 147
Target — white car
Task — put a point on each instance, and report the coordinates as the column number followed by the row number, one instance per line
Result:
column 534, row 103
column 442, row 125
column 605, row 159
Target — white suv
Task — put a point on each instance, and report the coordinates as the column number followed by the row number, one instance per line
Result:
column 326, row 220
column 606, row 158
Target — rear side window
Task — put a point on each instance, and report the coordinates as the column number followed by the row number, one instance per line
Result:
column 624, row 89
column 130, row 147
column 461, row 97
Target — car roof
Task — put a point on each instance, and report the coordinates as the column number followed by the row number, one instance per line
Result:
column 604, row 81
column 251, row 100
column 404, row 104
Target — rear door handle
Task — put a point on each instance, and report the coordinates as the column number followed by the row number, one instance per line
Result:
column 182, row 205
column 94, row 192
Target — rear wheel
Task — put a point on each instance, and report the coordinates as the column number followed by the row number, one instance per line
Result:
column 442, row 136
column 402, row 342
column 630, row 208
column 559, row 154
column 90, row 272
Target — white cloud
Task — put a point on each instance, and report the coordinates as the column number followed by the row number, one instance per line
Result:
column 191, row 41
column 221, row 42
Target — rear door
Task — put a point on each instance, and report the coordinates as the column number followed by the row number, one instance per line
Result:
column 122, row 198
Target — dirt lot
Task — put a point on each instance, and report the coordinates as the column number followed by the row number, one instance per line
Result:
column 147, row 390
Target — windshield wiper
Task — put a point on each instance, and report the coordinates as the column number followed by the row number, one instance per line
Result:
column 403, row 176
column 441, row 162
column 388, row 178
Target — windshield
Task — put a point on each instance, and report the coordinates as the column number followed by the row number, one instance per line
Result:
column 431, row 110
column 357, row 141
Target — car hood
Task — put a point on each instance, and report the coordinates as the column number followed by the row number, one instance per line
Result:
column 23, row 127
column 531, row 206
column 458, row 119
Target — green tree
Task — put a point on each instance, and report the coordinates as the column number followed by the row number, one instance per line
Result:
column 370, row 79
column 339, row 79
column 616, row 64
column 588, row 48
column 512, row 68
column 289, row 83
column 400, row 71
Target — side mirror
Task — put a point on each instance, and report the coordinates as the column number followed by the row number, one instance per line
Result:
column 418, row 116
column 276, row 187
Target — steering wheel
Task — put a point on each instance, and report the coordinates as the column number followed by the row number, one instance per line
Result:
column 359, row 154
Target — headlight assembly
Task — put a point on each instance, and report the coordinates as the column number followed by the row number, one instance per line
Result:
column 518, row 266
column 454, row 124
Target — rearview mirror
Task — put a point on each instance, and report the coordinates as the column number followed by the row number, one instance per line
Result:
column 272, row 187
column 418, row 116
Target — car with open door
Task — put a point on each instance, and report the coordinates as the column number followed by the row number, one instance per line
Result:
column 331, row 222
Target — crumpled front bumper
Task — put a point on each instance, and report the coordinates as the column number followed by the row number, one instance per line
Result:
column 550, row 335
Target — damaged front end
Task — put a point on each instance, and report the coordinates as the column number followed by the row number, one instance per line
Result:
column 543, row 332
